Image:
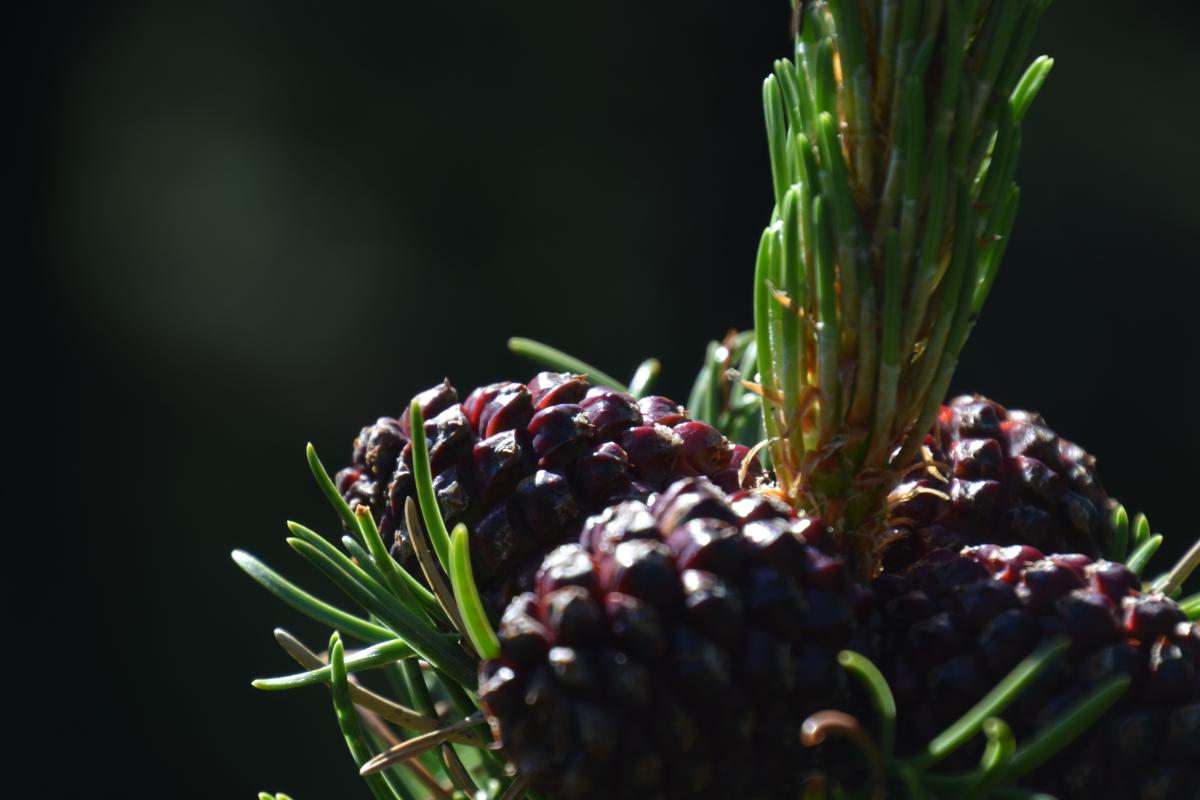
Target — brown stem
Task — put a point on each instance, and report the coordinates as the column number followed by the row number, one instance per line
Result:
column 1182, row 569
column 380, row 729
column 817, row 728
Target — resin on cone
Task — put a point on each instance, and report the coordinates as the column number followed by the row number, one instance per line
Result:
column 676, row 651
column 522, row 465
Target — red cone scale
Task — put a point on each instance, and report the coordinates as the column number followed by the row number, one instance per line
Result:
column 676, row 651
column 522, row 465
column 995, row 476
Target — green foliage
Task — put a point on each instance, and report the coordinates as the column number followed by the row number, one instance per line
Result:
column 893, row 137
column 550, row 358
column 1191, row 606
column 470, row 607
column 543, row 354
column 412, row 633
column 719, row 395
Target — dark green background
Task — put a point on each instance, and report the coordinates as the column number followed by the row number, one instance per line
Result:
column 258, row 224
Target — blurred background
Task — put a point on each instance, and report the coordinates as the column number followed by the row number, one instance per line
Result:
column 260, row 224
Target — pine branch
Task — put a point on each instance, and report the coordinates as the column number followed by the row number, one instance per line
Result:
column 893, row 138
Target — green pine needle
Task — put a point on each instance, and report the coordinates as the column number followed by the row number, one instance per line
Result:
column 718, row 395
column 1002, row 695
column 1141, row 556
column 645, row 377
column 368, row 658
column 411, row 719
column 309, row 605
column 1191, row 607
column 1141, row 530
column 407, row 624
column 1118, row 548
column 329, row 490
column 893, row 140
column 554, row 359
column 431, row 513
column 1171, row 583
column 704, row 398
column 877, row 688
column 1045, row 744
column 348, row 720
column 997, row 753
column 403, row 585
column 1058, row 734
column 366, row 573
column 478, row 629
column 1030, row 84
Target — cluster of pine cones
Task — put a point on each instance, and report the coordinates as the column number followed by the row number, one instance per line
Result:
column 667, row 623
